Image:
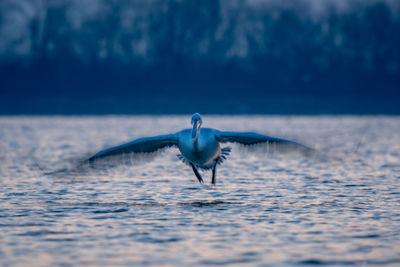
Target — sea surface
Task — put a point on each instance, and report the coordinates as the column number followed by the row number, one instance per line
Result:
column 339, row 206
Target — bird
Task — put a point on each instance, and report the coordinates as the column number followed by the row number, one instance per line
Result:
column 200, row 148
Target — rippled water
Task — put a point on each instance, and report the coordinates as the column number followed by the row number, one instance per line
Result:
column 340, row 207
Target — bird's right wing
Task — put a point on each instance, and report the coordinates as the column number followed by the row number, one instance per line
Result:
column 255, row 140
column 128, row 153
column 139, row 146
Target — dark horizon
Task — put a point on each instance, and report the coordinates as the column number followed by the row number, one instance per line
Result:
column 214, row 57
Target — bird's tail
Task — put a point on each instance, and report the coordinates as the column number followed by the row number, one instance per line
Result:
column 180, row 156
column 224, row 154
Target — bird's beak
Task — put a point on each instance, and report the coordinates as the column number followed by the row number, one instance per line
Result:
column 195, row 130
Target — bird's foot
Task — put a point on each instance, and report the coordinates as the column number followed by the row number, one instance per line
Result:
column 196, row 172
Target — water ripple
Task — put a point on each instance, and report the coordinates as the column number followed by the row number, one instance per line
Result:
column 339, row 208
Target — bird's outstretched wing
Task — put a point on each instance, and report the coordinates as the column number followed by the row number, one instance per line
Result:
column 256, row 140
column 137, row 150
column 139, row 146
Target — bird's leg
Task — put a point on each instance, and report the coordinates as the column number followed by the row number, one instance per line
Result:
column 214, row 172
column 196, row 172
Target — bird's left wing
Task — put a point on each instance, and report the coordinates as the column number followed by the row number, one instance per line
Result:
column 139, row 146
column 254, row 140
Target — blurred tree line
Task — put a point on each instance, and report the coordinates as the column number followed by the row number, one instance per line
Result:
column 174, row 47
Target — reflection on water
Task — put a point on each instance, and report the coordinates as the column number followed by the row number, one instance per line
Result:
column 341, row 207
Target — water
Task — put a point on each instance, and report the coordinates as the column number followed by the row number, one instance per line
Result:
column 341, row 207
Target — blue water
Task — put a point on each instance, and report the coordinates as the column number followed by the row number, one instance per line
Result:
column 338, row 207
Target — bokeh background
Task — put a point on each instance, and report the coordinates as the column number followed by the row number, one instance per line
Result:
column 210, row 56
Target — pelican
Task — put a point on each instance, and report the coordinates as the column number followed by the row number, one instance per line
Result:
column 200, row 148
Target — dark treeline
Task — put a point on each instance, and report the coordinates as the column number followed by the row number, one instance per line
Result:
column 226, row 56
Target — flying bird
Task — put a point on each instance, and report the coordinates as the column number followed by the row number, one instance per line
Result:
column 200, row 148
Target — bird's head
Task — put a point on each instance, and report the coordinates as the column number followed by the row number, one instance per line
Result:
column 196, row 122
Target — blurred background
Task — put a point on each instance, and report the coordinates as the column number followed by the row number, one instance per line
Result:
column 207, row 56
